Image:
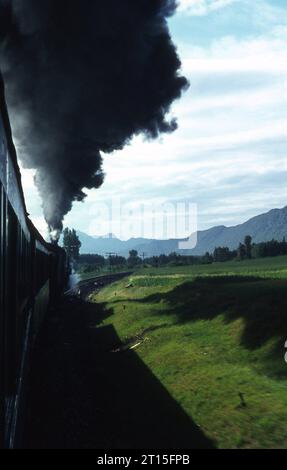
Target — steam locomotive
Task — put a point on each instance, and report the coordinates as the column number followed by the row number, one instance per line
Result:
column 32, row 275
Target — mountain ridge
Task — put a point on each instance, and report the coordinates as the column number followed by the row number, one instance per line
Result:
column 262, row 228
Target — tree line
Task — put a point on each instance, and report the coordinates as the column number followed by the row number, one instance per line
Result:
column 246, row 250
column 91, row 263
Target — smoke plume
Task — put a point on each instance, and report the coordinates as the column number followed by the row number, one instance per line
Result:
column 82, row 78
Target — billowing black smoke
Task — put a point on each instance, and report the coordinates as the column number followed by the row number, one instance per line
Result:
column 82, row 77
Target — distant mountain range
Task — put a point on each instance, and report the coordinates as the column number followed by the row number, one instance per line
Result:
column 264, row 227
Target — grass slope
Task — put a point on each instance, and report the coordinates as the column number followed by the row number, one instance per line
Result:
column 214, row 337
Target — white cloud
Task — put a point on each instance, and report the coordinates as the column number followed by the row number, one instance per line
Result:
column 266, row 54
column 202, row 7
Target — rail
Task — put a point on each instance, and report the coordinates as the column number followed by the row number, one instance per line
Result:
column 87, row 286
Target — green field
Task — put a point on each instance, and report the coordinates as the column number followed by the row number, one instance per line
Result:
column 266, row 267
column 101, row 272
column 214, row 337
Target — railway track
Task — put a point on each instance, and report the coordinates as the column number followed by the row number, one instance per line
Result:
column 84, row 289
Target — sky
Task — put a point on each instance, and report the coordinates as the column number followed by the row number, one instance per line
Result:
column 228, row 154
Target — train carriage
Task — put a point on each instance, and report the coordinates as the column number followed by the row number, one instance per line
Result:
column 32, row 274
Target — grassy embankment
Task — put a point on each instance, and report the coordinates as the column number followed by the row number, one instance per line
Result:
column 214, row 336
